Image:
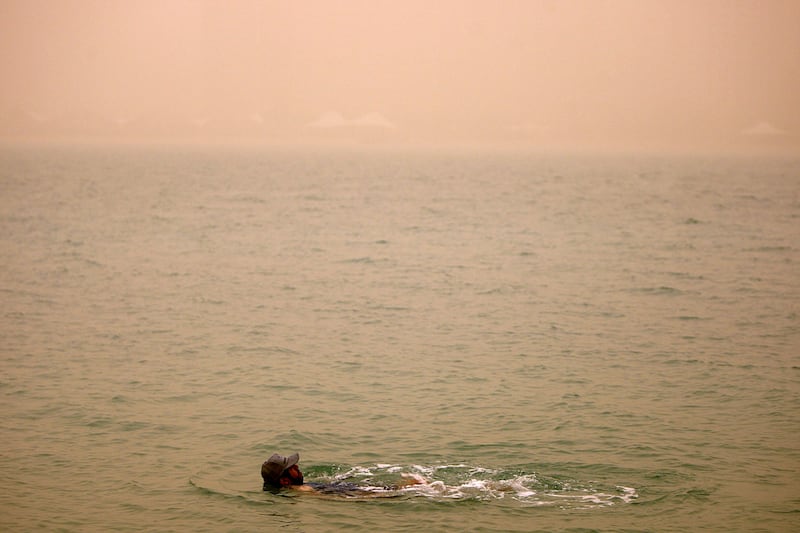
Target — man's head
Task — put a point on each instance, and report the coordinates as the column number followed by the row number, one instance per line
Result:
column 279, row 471
column 291, row 476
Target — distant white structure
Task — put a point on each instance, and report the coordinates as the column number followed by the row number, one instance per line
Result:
column 763, row 129
column 334, row 119
column 374, row 120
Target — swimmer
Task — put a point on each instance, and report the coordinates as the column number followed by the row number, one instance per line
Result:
column 281, row 472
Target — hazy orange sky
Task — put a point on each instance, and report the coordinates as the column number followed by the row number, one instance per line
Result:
column 699, row 74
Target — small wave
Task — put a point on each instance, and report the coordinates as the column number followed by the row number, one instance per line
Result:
column 662, row 290
column 769, row 249
column 221, row 489
column 367, row 260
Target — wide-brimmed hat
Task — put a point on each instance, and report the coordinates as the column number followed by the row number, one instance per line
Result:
column 276, row 465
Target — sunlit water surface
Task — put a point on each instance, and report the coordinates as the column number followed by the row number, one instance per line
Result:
column 548, row 343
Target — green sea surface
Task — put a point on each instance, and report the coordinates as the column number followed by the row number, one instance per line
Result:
column 550, row 343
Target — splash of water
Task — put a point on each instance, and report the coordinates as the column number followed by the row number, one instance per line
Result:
column 466, row 482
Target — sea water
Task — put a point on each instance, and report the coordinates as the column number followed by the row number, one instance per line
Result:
column 544, row 342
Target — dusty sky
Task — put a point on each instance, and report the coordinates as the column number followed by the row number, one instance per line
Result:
column 631, row 74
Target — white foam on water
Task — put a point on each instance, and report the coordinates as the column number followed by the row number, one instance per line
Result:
column 468, row 482
column 628, row 494
column 423, row 469
column 356, row 471
column 462, row 481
